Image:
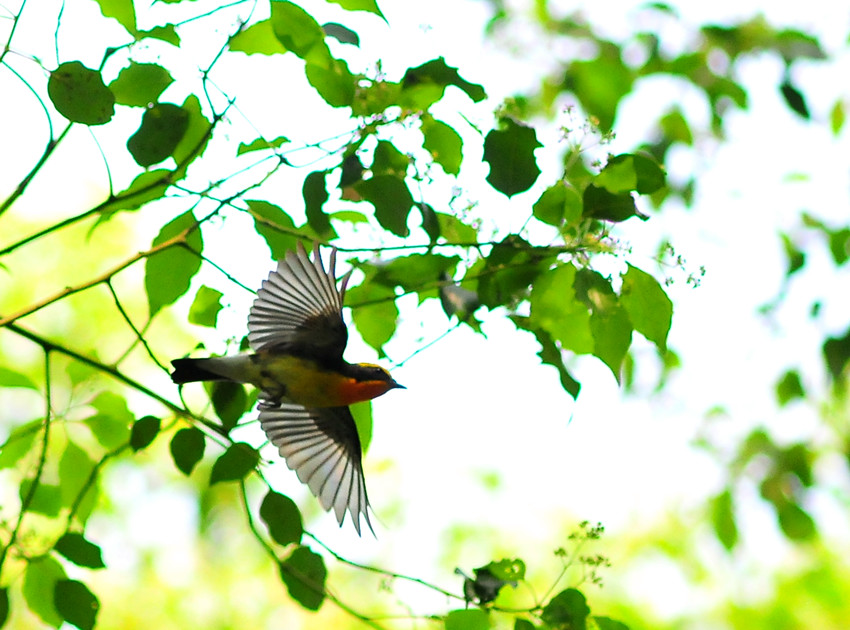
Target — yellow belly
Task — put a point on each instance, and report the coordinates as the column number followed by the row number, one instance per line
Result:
column 302, row 381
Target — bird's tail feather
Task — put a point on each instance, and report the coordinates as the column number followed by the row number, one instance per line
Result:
column 192, row 370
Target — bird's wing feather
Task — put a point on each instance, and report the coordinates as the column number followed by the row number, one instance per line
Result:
column 323, row 448
column 299, row 308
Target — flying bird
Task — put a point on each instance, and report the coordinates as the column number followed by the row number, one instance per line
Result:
column 297, row 335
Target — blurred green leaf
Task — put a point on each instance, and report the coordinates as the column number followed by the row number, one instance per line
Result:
column 4, row 606
column 424, row 85
column 610, row 325
column 836, row 352
column 605, row 623
column 111, row 425
column 523, row 624
column 508, row 569
column 601, row 204
column 140, row 84
column 723, row 519
column 443, row 143
column 359, row 5
column 374, row 312
column 295, row 28
column 362, row 414
column 39, row 585
column 21, row 439
column 650, row 310
column 330, row 77
column 509, row 270
column 304, row 574
column 794, row 99
column 275, row 226
column 46, row 499
column 205, row 307
column 257, row 39
column 392, row 201
column 76, row 603
column 11, row 378
column 795, row 522
column 454, row 230
column 631, row 172
column 556, row 310
column 415, row 270
column 388, row 160
column 315, row 195
column 789, row 387
column 282, row 517
column 601, row 83
column 550, row 354
column 121, row 10
column 75, row 468
column 187, row 449
column 235, row 463
column 80, row 551
column 471, row 619
column 558, row 204
column 169, row 272
column 568, row 610
column 229, row 400
column 837, row 117
column 510, row 153
column 341, row 33
column 80, row 95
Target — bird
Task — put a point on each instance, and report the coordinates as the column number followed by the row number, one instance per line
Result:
column 298, row 336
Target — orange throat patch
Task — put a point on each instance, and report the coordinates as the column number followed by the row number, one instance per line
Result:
column 352, row 391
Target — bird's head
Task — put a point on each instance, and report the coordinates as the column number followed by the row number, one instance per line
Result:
column 369, row 381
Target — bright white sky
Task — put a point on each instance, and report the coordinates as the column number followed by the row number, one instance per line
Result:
column 476, row 406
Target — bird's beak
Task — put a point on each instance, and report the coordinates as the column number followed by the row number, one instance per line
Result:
column 397, row 386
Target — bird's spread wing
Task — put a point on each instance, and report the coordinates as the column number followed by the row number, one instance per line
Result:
column 299, row 308
column 323, row 448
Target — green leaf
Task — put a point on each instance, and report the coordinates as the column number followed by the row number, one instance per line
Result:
column 19, row 443
column 600, row 83
column 275, row 226
column 454, row 230
column 11, row 378
column 205, row 307
column 508, row 569
column 196, row 138
column 166, row 33
column 121, row 10
column 282, row 517
column 187, row 449
column 510, row 153
column 76, row 603
column 413, row 271
column 523, row 624
column 374, row 312
column 79, row 94
column 144, row 432
column 443, row 143
column 555, row 309
column 162, row 128
column 304, row 574
column 111, row 425
column 510, row 269
column 631, row 172
column 424, row 85
column 723, row 519
column 330, row 77
column 147, row 187
column 605, row 623
column 47, row 498
column 261, row 144
column 610, row 325
column 836, row 352
column 359, row 5
column 315, row 195
column 837, row 117
column 40, row 579
column 75, row 468
column 235, row 463
column 568, row 609
column 341, row 33
column 471, row 619
column 558, row 204
column 789, row 387
column 601, row 204
column 795, row 522
column 649, row 308
column 550, row 354
column 4, row 606
column 392, row 201
column 676, row 127
column 258, row 39
column 169, row 272
column 140, row 84
column 388, row 160
column 795, row 100
column 362, row 414
column 229, row 400
column 80, row 551
column 295, row 28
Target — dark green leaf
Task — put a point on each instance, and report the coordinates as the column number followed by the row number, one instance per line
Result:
column 187, row 449
column 649, row 308
column 836, row 352
column 568, row 609
column 413, row 271
column 600, row 83
column 454, row 230
column 261, row 144
column 508, row 569
column 610, row 325
column 510, row 153
column 235, row 463
column 121, row 10
column 796, row 257
column 40, row 579
column 605, row 623
column 523, row 624
column 392, row 201
column 4, row 606
column 424, row 85
column 789, row 387
column 205, row 307
column 359, row 5
column 510, row 269
column 388, row 160
column 555, row 309
column 471, row 619
column 195, row 140
column 79, row 94
column 550, row 354
column 351, row 171
column 169, row 272
column 341, row 33
column 144, row 432
column 76, row 603
column 140, row 84
column 304, row 574
column 295, row 28
column 282, row 517
column 795, row 100
column 275, row 226
column 606, row 206
column 147, row 187
column 839, row 245
column 429, row 221
column 558, row 204
column 723, row 519
column 795, row 522
column 315, row 195
column 443, row 143
column 374, row 312
column 80, row 551
column 229, row 400
column 162, row 128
